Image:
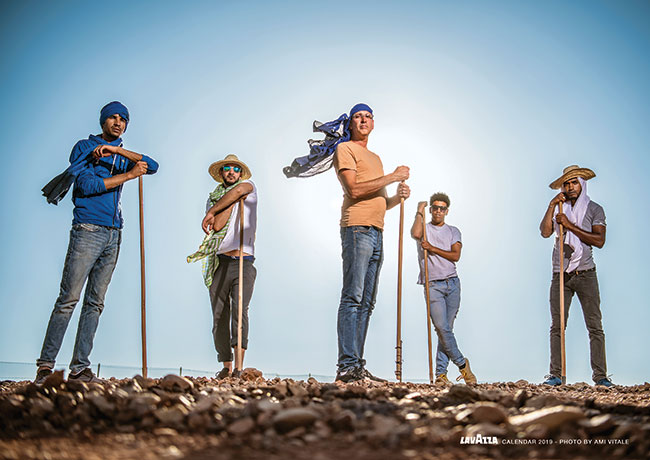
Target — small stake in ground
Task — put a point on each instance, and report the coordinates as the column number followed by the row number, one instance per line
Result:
column 562, row 320
column 398, row 348
column 143, row 292
column 426, row 290
column 238, row 357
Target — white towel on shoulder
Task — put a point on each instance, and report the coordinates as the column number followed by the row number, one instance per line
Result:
column 576, row 215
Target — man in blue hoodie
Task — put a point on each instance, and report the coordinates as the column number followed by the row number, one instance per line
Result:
column 94, row 239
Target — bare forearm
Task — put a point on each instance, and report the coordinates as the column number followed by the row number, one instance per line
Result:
column 416, row 229
column 361, row 190
column 596, row 238
column 230, row 197
column 117, row 180
column 452, row 256
column 133, row 156
column 392, row 201
column 546, row 225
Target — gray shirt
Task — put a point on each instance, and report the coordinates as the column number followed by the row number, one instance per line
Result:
column 595, row 215
column 441, row 237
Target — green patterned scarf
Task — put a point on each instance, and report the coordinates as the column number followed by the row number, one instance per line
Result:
column 208, row 248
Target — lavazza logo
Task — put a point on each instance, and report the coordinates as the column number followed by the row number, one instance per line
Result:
column 479, row 439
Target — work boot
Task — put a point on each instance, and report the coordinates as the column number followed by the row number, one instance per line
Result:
column 604, row 382
column 42, row 374
column 442, row 381
column 85, row 376
column 552, row 380
column 349, row 375
column 223, row 373
column 236, row 374
column 365, row 373
column 466, row 373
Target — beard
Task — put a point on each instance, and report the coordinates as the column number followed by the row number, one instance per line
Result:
column 228, row 182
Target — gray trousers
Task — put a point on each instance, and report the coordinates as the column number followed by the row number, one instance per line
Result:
column 224, row 297
column 585, row 284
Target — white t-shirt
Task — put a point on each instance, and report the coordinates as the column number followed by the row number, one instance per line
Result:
column 231, row 240
column 442, row 237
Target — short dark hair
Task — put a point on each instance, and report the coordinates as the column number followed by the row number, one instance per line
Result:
column 439, row 196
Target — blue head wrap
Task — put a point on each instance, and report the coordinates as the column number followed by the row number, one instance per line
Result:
column 113, row 108
column 359, row 108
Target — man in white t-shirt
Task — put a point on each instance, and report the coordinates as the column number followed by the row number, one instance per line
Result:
column 443, row 244
column 223, row 217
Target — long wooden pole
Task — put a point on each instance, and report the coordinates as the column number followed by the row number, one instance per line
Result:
column 426, row 290
column 143, row 290
column 398, row 348
column 240, row 303
column 562, row 325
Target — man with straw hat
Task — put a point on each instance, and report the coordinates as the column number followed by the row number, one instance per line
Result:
column 365, row 202
column 583, row 222
column 221, row 253
column 443, row 244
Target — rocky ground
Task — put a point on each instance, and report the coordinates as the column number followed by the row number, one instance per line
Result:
column 253, row 418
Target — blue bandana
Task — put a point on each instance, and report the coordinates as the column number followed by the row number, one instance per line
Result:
column 359, row 108
column 111, row 109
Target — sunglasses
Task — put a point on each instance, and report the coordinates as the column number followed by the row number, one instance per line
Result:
column 234, row 168
column 438, row 208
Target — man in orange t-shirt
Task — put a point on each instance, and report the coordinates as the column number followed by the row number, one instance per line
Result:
column 365, row 202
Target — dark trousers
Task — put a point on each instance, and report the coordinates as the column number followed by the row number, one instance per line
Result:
column 585, row 284
column 224, row 297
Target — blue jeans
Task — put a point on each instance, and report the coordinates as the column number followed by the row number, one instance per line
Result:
column 92, row 255
column 362, row 253
column 444, row 303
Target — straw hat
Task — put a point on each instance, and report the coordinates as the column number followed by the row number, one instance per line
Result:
column 571, row 172
column 215, row 168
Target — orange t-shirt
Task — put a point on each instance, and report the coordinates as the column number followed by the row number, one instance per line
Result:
column 369, row 210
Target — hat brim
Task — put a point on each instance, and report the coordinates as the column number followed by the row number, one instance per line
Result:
column 585, row 173
column 215, row 169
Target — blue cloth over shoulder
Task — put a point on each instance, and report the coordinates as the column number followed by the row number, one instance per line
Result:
column 321, row 152
column 80, row 159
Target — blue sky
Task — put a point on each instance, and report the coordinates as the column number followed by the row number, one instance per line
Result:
column 487, row 101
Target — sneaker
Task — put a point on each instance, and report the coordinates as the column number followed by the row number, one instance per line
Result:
column 223, row 373
column 348, row 375
column 442, row 381
column 552, row 380
column 605, row 382
column 466, row 373
column 85, row 376
column 42, row 374
column 236, row 374
column 365, row 373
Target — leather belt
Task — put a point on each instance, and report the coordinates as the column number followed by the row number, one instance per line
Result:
column 578, row 272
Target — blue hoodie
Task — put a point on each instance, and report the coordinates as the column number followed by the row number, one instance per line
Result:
column 93, row 203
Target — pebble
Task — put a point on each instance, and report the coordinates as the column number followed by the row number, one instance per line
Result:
column 173, row 382
column 289, row 419
column 551, row 418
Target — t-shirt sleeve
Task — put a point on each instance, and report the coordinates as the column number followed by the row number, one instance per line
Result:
column 455, row 236
column 344, row 159
column 252, row 196
column 598, row 217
